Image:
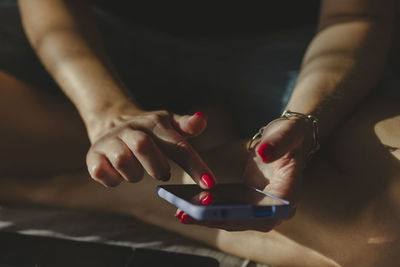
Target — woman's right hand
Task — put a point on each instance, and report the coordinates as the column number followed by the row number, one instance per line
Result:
column 126, row 144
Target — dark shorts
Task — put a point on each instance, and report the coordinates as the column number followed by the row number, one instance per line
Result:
column 252, row 77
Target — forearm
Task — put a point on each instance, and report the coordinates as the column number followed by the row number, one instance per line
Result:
column 66, row 40
column 343, row 63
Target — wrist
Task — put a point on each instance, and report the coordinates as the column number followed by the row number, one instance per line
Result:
column 303, row 127
column 294, row 130
column 311, row 121
column 102, row 120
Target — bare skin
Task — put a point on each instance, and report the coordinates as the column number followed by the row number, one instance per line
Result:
column 349, row 208
column 128, row 141
column 340, row 201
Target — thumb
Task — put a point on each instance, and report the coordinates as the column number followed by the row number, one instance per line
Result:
column 192, row 125
column 278, row 139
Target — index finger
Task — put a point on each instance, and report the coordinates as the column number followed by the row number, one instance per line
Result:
column 181, row 152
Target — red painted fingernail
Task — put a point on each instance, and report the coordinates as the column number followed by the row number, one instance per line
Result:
column 201, row 114
column 266, row 152
column 207, row 181
column 186, row 219
column 207, row 199
column 179, row 214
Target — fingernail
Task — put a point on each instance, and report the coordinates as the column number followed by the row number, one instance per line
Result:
column 186, row 219
column 207, row 199
column 266, row 152
column 207, row 181
column 178, row 214
column 201, row 114
column 166, row 177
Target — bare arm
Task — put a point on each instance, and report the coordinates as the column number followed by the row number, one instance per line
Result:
column 126, row 141
column 66, row 39
column 345, row 59
column 343, row 63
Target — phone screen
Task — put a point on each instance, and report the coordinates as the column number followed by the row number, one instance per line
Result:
column 224, row 194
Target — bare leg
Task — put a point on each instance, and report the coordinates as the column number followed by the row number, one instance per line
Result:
column 39, row 132
column 351, row 200
column 349, row 214
column 75, row 189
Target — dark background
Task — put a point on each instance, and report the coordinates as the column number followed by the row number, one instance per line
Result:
column 216, row 18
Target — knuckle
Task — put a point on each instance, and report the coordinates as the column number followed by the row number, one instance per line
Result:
column 182, row 143
column 158, row 117
column 98, row 172
column 164, row 113
column 121, row 160
column 142, row 142
column 161, row 117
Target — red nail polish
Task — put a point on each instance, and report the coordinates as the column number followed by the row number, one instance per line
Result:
column 201, row 114
column 207, row 199
column 186, row 219
column 179, row 214
column 266, row 152
column 207, row 180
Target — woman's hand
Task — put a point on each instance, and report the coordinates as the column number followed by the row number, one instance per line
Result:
column 274, row 166
column 127, row 143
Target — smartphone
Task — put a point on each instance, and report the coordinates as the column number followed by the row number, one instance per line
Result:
column 225, row 202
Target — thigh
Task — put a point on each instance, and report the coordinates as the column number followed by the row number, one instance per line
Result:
column 348, row 215
column 350, row 209
column 40, row 131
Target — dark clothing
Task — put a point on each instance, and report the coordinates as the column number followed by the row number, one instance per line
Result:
column 219, row 19
column 251, row 76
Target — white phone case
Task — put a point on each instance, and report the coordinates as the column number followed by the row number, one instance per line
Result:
column 228, row 212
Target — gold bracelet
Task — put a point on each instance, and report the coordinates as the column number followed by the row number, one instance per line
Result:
column 287, row 115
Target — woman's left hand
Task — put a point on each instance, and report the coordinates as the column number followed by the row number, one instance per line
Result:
column 274, row 166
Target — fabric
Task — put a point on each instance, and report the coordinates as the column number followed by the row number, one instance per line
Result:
column 107, row 229
column 216, row 19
